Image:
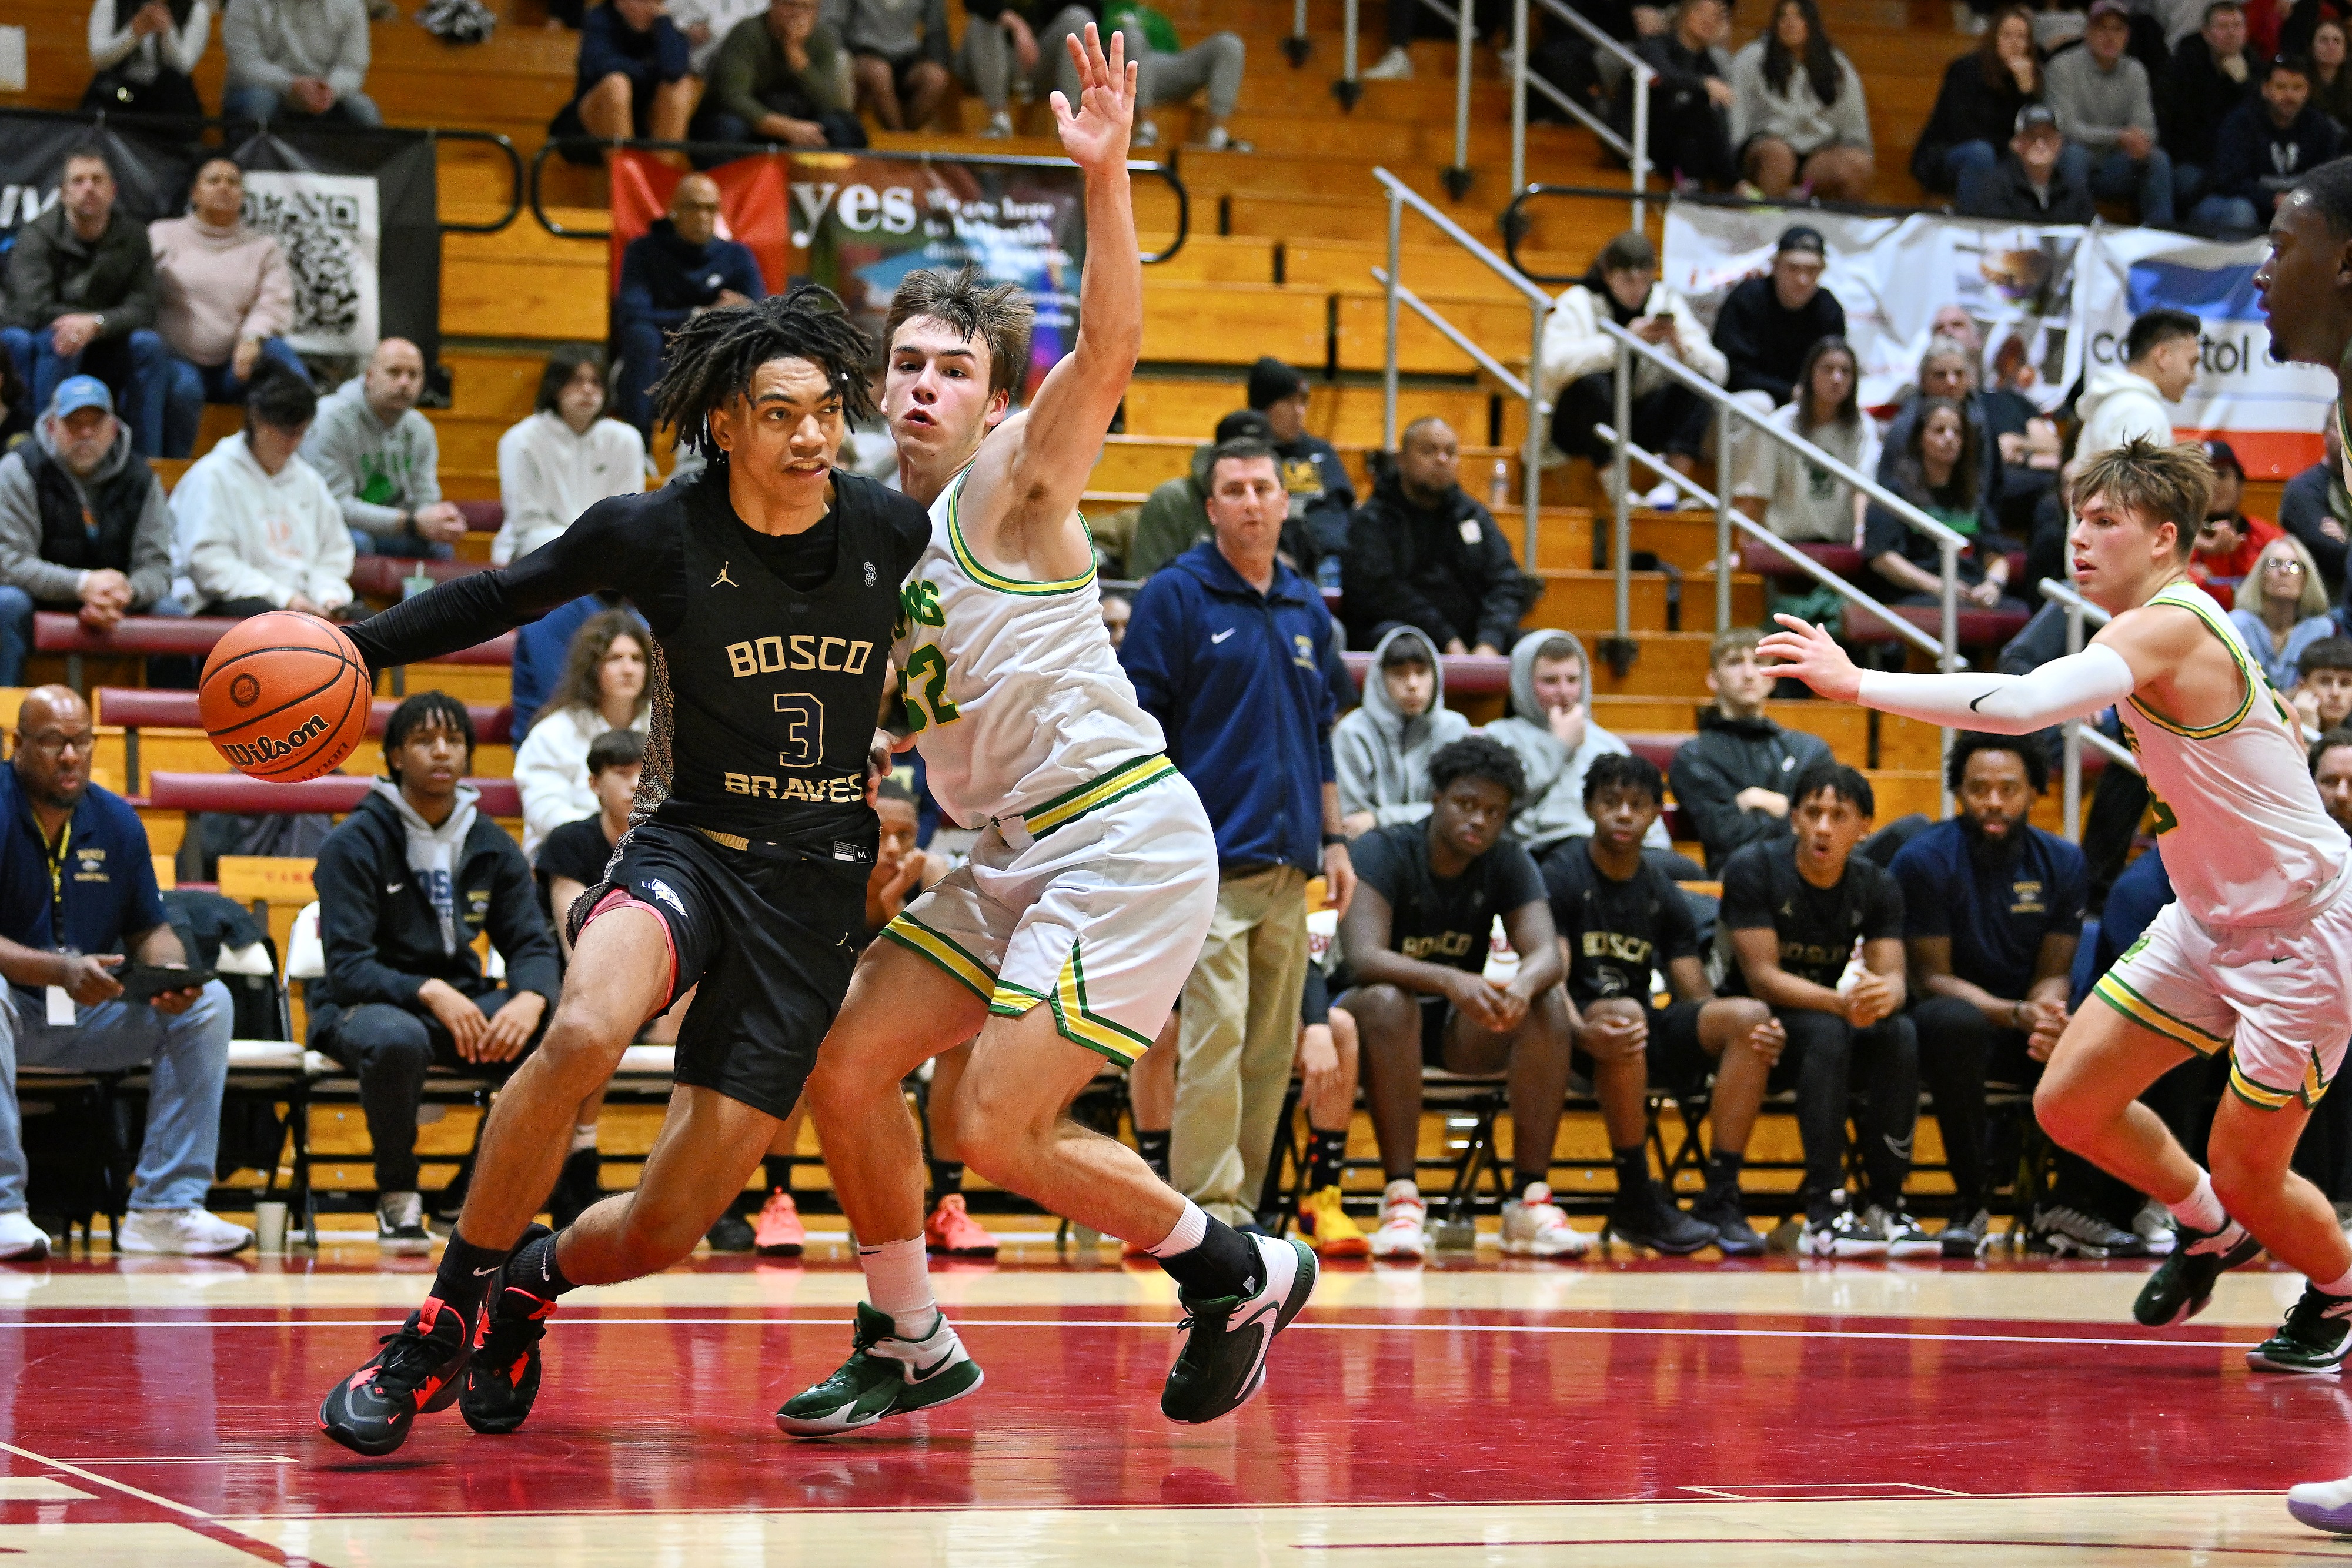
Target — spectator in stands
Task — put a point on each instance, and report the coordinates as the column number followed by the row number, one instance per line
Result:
column 1769, row 324
column 406, row 884
column 2029, row 184
column 1248, row 719
column 1118, row 610
column 1549, row 729
column 1321, row 495
column 1946, row 370
column 542, row 652
column 71, row 936
column 2323, row 698
column 144, row 52
column 564, row 458
column 634, row 77
column 1416, row 942
column 1576, row 366
column 1175, row 516
column 706, row 23
column 2159, row 367
column 2314, row 509
column 82, row 526
column 898, row 52
column 780, row 75
column 2225, row 547
column 2281, row 610
column 603, row 688
column 572, row 857
column 381, row 459
column 2331, row 84
column 1621, row 919
column 1691, row 103
column 254, row 526
column 1423, row 553
column 1976, row 106
column 2265, row 145
column 678, row 266
column 226, row 298
column 2209, row 76
column 1382, row 750
column 1404, row 22
column 2100, row 97
column 1798, row 116
column 1793, row 912
column 1732, row 778
column 1939, row 469
column 1789, row 494
column 82, row 299
column 1015, row 41
column 1992, row 910
column 1174, row 72
column 300, row 59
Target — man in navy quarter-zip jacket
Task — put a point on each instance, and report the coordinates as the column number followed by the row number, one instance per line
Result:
column 1233, row 652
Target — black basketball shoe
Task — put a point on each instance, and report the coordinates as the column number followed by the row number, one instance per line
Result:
column 2183, row 1282
column 419, row 1370
column 502, row 1379
column 1222, row 1361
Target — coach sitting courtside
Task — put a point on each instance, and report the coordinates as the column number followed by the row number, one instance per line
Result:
column 405, row 884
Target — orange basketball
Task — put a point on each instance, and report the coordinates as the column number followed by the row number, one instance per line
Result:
column 285, row 696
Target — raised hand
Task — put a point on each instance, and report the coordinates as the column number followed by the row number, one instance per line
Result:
column 1095, row 134
column 1812, row 656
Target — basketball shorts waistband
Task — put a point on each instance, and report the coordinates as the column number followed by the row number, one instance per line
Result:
column 1024, row 827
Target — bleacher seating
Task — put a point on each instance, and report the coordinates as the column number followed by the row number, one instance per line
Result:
column 256, row 797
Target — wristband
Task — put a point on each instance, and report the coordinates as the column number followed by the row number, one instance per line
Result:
column 1330, row 838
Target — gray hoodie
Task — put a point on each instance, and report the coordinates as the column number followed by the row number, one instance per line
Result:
column 377, row 471
column 1555, row 804
column 21, row 563
column 433, row 852
column 1383, row 757
column 271, row 42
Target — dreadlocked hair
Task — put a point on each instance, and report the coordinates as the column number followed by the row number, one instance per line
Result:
column 713, row 357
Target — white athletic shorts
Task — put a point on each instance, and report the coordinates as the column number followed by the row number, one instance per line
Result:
column 2278, row 998
column 1098, row 916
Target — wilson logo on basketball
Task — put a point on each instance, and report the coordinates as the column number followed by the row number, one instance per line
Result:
column 265, row 749
column 244, row 691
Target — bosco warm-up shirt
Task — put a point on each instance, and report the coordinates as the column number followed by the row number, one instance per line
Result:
column 97, row 890
column 1996, row 902
column 764, row 693
column 1817, row 927
column 1443, row 920
column 1617, row 932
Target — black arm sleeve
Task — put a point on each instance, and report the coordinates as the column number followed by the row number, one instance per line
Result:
column 631, row 545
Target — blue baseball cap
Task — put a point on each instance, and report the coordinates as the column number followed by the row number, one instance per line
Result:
column 77, row 393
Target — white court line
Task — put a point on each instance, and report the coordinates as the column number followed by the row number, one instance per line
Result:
column 974, row 1322
column 1829, row 1491
column 213, row 1459
column 97, row 1480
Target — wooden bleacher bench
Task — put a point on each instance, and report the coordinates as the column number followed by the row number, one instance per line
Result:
column 383, row 576
column 1467, row 674
column 1977, row 628
column 335, row 793
column 137, row 707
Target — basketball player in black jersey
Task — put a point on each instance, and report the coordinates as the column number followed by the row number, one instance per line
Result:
column 771, row 584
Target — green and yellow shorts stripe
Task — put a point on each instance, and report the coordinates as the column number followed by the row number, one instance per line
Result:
column 968, row 970
column 2118, row 994
column 1074, row 1020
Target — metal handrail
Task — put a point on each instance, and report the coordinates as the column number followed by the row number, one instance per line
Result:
column 2078, row 610
column 1750, row 528
column 1485, row 361
column 1635, row 149
column 188, row 127
column 1401, row 195
column 1166, row 171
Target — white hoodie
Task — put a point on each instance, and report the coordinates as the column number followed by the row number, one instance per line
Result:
column 550, row 769
column 239, row 533
column 2116, row 405
column 549, row 473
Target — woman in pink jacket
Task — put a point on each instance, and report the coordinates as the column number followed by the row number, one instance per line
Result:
column 226, row 296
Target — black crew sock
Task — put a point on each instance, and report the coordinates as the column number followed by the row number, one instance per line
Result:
column 1153, row 1147
column 1224, row 1264
column 1723, row 1170
column 1633, row 1170
column 779, row 1171
column 1326, row 1158
column 534, row 1269
column 465, row 1276
column 947, row 1176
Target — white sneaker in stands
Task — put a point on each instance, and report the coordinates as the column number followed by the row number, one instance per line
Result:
column 1534, row 1226
column 1394, row 66
column 189, row 1232
column 21, row 1240
column 1403, row 1232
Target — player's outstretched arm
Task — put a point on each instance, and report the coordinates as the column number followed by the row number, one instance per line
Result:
column 2073, row 687
column 1050, row 448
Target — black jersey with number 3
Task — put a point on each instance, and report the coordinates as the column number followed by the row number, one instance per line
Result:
column 764, row 697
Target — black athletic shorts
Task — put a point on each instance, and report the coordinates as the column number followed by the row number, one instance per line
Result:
column 1676, row 1060
column 767, row 933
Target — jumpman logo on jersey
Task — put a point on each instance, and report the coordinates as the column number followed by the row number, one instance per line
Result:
column 722, row 580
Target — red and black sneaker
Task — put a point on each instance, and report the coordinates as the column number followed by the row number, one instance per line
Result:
column 502, row 1380
column 417, row 1371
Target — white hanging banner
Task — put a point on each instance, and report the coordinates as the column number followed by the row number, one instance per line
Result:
column 328, row 226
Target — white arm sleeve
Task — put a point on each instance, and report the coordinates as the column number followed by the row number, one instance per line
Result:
column 2073, row 687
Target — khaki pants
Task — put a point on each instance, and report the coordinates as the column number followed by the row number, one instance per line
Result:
column 1237, row 1034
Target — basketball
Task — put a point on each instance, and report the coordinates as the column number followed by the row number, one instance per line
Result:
column 285, row 696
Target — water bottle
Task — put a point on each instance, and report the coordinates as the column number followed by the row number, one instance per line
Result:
column 1498, row 488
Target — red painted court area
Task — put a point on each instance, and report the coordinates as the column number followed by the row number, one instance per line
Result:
column 663, row 1409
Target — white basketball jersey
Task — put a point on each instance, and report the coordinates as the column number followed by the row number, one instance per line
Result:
column 1013, row 691
column 2244, row 838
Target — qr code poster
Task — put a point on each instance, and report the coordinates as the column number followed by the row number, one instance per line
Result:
column 327, row 225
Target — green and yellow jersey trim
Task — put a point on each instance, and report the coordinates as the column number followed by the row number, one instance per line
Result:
column 988, row 578
column 1072, row 1019
column 965, row 969
column 2250, row 675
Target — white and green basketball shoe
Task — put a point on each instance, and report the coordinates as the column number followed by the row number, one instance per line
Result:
column 885, row 1375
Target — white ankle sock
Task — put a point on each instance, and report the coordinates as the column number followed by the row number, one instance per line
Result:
column 583, row 1137
column 2200, row 1209
column 1191, row 1229
column 899, row 1282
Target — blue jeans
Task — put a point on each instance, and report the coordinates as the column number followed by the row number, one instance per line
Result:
column 136, row 368
column 260, row 104
column 1967, row 163
column 17, row 609
column 639, row 344
column 187, row 1061
column 191, row 386
column 2225, row 217
column 2114, row 175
